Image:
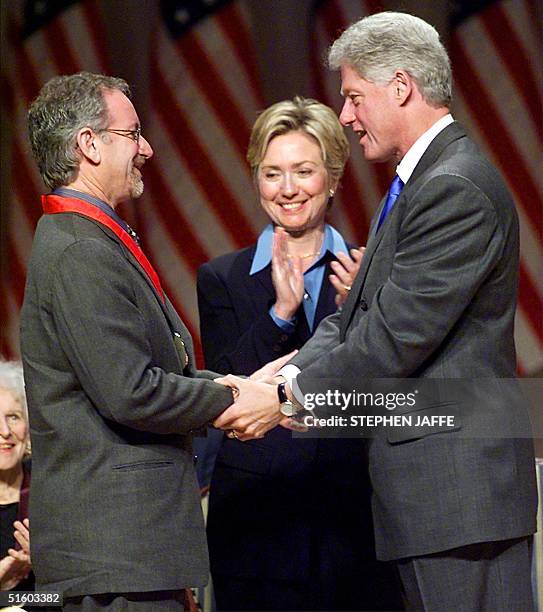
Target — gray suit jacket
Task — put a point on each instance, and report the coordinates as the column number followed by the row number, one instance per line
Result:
column 114, row 505
column 435, row 298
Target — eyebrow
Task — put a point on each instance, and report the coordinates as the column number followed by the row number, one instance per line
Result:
column 296, row 165
column 17, row 411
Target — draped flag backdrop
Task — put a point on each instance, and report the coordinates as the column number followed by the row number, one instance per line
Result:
column 200, row 87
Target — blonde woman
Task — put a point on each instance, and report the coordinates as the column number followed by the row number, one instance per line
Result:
column 289, row 523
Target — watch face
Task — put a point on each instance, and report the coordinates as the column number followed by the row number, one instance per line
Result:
column 288, row 409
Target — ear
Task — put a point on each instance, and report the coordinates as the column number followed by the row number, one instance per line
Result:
column 332, row 187
column 402, row 86
column 87, row 144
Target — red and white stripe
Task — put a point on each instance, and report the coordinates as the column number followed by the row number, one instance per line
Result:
column 69, row 43
column 496, row 61
column 199, row 199
column 497, row 67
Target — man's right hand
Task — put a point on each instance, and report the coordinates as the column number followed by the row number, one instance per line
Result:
column 254, row 412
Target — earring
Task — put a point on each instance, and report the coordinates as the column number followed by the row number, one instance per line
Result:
column 331, row 193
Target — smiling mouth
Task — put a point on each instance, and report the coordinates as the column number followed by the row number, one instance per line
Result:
column 6, row 446
column 292, row 205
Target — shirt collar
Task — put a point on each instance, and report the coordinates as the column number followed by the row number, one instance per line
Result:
column 86, row 197
column 333, row 242
column 406, row 167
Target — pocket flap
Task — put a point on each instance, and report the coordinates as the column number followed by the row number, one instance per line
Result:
column 431, row 420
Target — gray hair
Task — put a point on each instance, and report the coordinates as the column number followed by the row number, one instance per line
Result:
column 378, row 45
column 65, row 105
column 301, row 115
column 11, row 379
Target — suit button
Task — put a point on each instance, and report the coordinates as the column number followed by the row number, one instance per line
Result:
column 283, row 337
column 363, row 304
column 276, row 348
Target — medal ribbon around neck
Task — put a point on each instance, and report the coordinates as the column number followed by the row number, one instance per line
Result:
column 52, row 204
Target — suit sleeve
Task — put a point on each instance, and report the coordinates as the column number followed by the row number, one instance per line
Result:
column 325, row 338
column 449, row 241
column 107, row 339
column 228, row 349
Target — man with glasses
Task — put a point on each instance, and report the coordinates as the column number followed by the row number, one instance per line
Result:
column 113, row 392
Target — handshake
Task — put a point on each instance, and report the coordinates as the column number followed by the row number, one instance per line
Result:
column 256, row 408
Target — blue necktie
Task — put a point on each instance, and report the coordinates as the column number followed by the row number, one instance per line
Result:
column 394, row 191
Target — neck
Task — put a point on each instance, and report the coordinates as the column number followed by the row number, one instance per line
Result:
column 10, row 485
column 89, row 186
column 306, row 245
column 419, row 123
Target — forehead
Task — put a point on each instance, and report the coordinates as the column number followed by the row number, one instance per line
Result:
column 8, row 402
column 120, row 108
column 351, row 81
column 292, row 146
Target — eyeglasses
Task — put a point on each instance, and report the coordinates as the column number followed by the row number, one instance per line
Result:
column 132, row 134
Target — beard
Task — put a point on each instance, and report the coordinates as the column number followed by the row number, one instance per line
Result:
column 136, row 185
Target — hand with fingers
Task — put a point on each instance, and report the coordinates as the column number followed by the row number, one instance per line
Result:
column 16, row 565
column 254, row 412
column 22, row 535
column 287, row 277
column 345, row 271
column 268, row 371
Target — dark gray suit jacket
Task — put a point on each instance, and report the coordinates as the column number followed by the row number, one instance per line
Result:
column 114, row 505
column 435, row 298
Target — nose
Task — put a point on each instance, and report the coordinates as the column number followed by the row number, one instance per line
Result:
column 145, row 148
column 289, row 186
column 346, row 117
column 5, row 431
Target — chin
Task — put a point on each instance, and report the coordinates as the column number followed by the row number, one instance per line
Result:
column 137, row 190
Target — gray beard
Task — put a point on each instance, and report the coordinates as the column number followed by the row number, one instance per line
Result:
column 136, row 187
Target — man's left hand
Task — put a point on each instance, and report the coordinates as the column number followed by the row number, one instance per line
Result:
column 268, row 371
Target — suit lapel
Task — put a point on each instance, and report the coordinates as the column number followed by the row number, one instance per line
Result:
column 326, row 303
column 131, row 260
column 261, row 283
column 451, row 133
column 181, row 336
column 352, row 300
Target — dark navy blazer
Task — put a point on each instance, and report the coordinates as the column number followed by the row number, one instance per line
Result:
column 280, row 508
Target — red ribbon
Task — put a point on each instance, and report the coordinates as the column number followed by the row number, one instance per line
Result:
column 55, row 204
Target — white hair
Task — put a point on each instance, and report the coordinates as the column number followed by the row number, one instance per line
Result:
column 378, row 45
column 11, row 379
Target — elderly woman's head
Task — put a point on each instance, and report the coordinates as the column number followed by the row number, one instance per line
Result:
column 297, row 153
column 14, row 435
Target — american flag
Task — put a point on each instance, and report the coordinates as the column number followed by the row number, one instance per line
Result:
column 495, row 50
column 43, row 39
column 498, row 62
column 205, row 93
column 363, row 184
column 199, row 102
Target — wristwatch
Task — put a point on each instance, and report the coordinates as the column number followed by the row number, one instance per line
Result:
column 286, row 407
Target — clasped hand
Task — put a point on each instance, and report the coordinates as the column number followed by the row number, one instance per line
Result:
column 254, row 411
column 256, row 407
